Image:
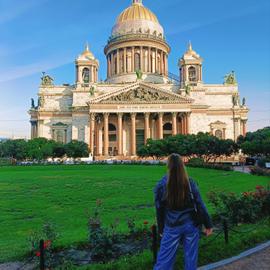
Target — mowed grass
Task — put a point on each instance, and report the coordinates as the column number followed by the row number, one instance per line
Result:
column 32, row 196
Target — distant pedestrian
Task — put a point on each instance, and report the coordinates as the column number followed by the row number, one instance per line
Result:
column 180, row 213
column 242, row 162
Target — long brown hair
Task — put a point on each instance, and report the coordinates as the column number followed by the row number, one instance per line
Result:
column 177, row 183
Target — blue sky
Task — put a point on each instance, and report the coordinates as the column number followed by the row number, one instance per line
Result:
column 47, row 35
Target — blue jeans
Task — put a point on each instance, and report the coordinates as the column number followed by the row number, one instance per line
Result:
column 188, row 235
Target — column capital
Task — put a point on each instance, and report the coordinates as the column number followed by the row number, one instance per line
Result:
column 147, row 114
column 160, row 114
column 120, row 114
column 174, row 114
column 92, row 116
column 133, row 114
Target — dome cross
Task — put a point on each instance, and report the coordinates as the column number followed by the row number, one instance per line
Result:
column 136, row 2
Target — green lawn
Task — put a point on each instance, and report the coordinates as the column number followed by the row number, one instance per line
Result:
column 30, row 196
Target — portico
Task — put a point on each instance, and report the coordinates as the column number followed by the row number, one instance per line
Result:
column 121, row 122
column 113, row 131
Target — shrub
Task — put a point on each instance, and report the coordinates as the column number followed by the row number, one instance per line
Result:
column 247, row 207
column 196, row 162
column 259, row 171
column 200, row 163
column 102, row 241
column 49, row 235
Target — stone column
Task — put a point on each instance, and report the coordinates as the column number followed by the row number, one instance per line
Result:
column 125, row 60
column 141, row 58
column 120, row 134
column 160, row 125
column 165, row 65
column 224, row 134
column 133, row 134
column 174, row 123
column 156, row 61
column 92, row 74
column 106, row 134
column 91, row 133
column 244, row 128
column 146, row 127
column 149, row 59
column 162, row 63
column 117, row 61
column 188, row 123
column 109, row 65
column 32, row 130
column 184, row 127
column 132, row 59
column 96, row 139
column 153, row 128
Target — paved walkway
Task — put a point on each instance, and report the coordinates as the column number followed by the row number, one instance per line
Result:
column 257, row 261
column 243, row 169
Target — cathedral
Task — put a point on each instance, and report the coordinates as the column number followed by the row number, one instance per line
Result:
column 140, row 99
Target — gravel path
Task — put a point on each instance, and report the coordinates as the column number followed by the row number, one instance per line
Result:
column 257, row 261
column 16, row 266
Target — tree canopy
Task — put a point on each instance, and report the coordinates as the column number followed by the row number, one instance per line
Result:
column 202, row 145
column 41, row 148
column 256, row 143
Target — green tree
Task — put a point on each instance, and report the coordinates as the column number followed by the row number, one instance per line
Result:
column 59, row 150
column 13, row 149
column 256, row 143
column 40, row 148
column 76, row 149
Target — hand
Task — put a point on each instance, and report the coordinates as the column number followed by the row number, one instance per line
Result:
column 208, row 232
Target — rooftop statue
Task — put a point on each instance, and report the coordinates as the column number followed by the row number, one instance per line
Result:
column 187, row 89
column 230, row 78
column 32, row 104
column 236, row 100
column 41, row 102
column 46, row 80
column 139, row 74
column 244, row 102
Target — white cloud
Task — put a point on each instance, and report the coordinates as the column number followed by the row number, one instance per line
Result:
column 30, row 69
column 13, row 9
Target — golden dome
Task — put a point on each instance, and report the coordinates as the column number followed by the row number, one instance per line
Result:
column 137, row 19
column 86, row 54
column 137, row 12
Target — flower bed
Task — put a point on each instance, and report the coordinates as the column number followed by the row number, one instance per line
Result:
column 248, row 207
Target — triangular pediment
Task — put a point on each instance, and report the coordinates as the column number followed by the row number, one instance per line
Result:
column 141, row 93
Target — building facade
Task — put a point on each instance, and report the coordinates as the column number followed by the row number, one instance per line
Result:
column 140, row 99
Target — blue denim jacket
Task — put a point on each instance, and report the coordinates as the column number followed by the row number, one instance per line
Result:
column 173, row 218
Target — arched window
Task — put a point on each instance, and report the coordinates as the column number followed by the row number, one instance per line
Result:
column 137, row 61
column 112, row 133
column 86, row 75
column 167, row 126
column 112, row 127
column 167, row 130
column 192, row 74
column 219, row 133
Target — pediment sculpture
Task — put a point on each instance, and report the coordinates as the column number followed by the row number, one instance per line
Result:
column 141, row 95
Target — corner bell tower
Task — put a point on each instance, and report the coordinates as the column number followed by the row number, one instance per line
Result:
column 190, row 67
column 86, row 68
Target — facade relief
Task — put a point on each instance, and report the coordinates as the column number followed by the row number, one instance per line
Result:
column 144, row 95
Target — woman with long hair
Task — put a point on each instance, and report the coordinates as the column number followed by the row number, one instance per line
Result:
column 180, row 214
